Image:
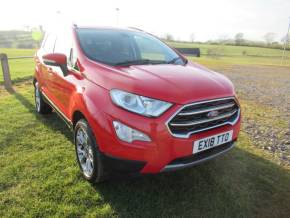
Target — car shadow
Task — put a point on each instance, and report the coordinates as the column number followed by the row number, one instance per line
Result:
column 50, row 120
column 236, row 184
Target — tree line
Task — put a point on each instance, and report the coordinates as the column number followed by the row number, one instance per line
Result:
column 21, row 38
column 270, row 40
column 31, row 39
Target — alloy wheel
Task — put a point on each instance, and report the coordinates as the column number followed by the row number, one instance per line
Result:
column 84, row 152
column 37, row 97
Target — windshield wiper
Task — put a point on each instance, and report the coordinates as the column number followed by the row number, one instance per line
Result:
column 139, row 62
column 173, row 60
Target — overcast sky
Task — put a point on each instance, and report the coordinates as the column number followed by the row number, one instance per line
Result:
column 207, row 19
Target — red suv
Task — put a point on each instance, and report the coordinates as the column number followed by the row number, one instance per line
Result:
column 133, row 103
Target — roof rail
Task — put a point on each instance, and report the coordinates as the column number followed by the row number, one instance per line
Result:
column 136, row 28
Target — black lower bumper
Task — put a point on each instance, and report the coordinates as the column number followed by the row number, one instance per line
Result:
column 195, row 159
column 118, row 165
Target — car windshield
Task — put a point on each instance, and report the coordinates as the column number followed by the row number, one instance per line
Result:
column 125, row 47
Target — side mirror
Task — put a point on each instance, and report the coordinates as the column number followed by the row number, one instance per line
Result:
column 56, row 59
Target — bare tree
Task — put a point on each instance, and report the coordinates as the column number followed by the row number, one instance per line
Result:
column 285, row 39
column 269, row 37
column 169, row 37
column 223, row 39
column 239, row 38
column 192, row 37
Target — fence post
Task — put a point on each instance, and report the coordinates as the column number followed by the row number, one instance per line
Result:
column 6, row 72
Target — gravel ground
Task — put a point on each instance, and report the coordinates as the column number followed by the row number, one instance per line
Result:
column 267, row 88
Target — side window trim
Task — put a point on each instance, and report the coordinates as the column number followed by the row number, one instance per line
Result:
column 73, row 60
column 43, row 41
column 54, row 45
column 51, row 49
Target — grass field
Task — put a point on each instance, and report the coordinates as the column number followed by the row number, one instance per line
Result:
column 39, row 176
column 229, row 50
column 21, row 69
column 233, row 55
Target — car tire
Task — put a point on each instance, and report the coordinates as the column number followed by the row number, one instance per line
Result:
column 40, row 105
column 87, row 153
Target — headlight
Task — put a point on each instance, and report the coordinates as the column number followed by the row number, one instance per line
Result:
column 139, row 104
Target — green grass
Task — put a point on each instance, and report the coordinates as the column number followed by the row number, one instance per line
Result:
column 14, row 52
column 20, row 69
column 229, row 50
column 39, row 177
column 233, row 55
column 223, row 62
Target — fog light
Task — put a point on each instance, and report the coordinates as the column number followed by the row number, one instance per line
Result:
column 127, row 134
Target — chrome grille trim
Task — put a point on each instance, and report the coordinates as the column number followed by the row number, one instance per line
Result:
column 205, row 120
column 187, row 135
column 225, row 106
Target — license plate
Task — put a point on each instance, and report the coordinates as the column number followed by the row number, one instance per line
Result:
column 212, row 141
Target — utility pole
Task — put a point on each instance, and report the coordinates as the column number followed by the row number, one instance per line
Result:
column 285, row 43
column 117, row 16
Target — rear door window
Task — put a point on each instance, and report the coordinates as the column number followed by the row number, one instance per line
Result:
column 63, row 44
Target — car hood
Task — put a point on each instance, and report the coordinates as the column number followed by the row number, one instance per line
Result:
column 172, row 83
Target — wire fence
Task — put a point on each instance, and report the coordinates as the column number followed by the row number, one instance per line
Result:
column 20, row 57
column 7, row 80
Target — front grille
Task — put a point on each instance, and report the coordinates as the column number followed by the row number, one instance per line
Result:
column 202, row 116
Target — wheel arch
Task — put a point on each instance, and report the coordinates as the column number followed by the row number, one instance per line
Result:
column 34, row 81
column 89, row 104
column 77, row 115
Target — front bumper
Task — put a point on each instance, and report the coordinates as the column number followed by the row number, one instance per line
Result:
column 195, row 159
column 117, row 165
column 164, row 151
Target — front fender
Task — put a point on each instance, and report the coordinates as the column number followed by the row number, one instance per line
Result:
column 91, row 101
